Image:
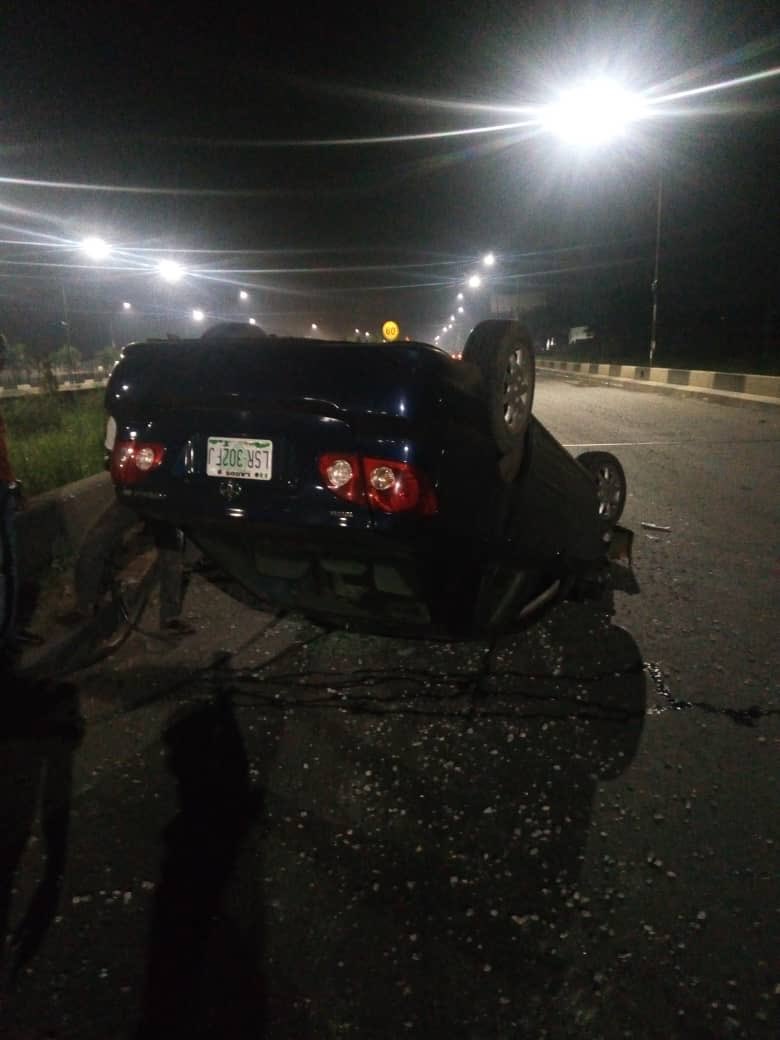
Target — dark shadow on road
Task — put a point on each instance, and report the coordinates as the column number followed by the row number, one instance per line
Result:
column 433, row 839
column 204, row 978
column 392, row 843
column 41, row 728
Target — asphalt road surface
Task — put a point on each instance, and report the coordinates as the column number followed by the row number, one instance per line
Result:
column 267, row 829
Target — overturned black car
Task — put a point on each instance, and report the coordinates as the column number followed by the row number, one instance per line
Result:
column 387, row 486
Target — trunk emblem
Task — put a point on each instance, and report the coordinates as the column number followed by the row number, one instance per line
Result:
column 230, row 489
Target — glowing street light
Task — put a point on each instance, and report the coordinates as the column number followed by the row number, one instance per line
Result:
column 489, row 259
column 314, row 326
column 198, row 315
column 592, row 113
column 459, row 296
column 460, row 310
column 170, row 271
column 252, row 321
column 474, row 282
column 243, row 295
column 95, row 248
column 127, row 306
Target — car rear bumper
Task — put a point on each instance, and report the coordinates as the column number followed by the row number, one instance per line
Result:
column 334, row 575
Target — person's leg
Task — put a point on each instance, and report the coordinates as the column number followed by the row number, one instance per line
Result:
column 170, row 548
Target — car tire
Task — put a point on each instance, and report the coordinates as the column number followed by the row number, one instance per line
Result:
column 504, row 354
column 610, row 485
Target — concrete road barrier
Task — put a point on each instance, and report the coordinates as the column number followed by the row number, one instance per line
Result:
column 736, row 385
column 50, row 532
column 28, row 389
column 54, row 524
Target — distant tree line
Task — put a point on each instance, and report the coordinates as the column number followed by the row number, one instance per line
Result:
column 44, row 368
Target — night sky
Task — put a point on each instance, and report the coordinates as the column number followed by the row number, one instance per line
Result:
column 214, row 107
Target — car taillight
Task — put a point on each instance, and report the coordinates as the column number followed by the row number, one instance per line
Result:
column 341, row 474
column 398, row 487
column 132, row 460
column 387, row 485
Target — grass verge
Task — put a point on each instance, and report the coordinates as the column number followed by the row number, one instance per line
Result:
column 55, row 438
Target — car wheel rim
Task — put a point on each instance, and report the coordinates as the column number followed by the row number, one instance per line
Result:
column 610, row 491
column 517, row 389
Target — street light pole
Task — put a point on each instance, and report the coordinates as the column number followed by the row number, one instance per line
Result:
column 65, row 315
column 590, row 114
column 66, row 323
column 654, row 285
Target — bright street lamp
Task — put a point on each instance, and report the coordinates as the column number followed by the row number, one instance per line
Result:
column 460, row 310
column 459, row 296
column 489, row 259
column 95, row 248
column 243, row 295
column 127, row 306
column 170, row 271
column 474, row 282
column 198, row 315
column 314, row 326
column 589, row 115
column 252, row 321
column 592, row 113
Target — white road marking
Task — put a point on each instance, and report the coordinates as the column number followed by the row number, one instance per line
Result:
column 685, row 440
column 624, row 444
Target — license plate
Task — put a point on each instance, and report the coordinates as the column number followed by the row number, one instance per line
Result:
column 239, row 457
